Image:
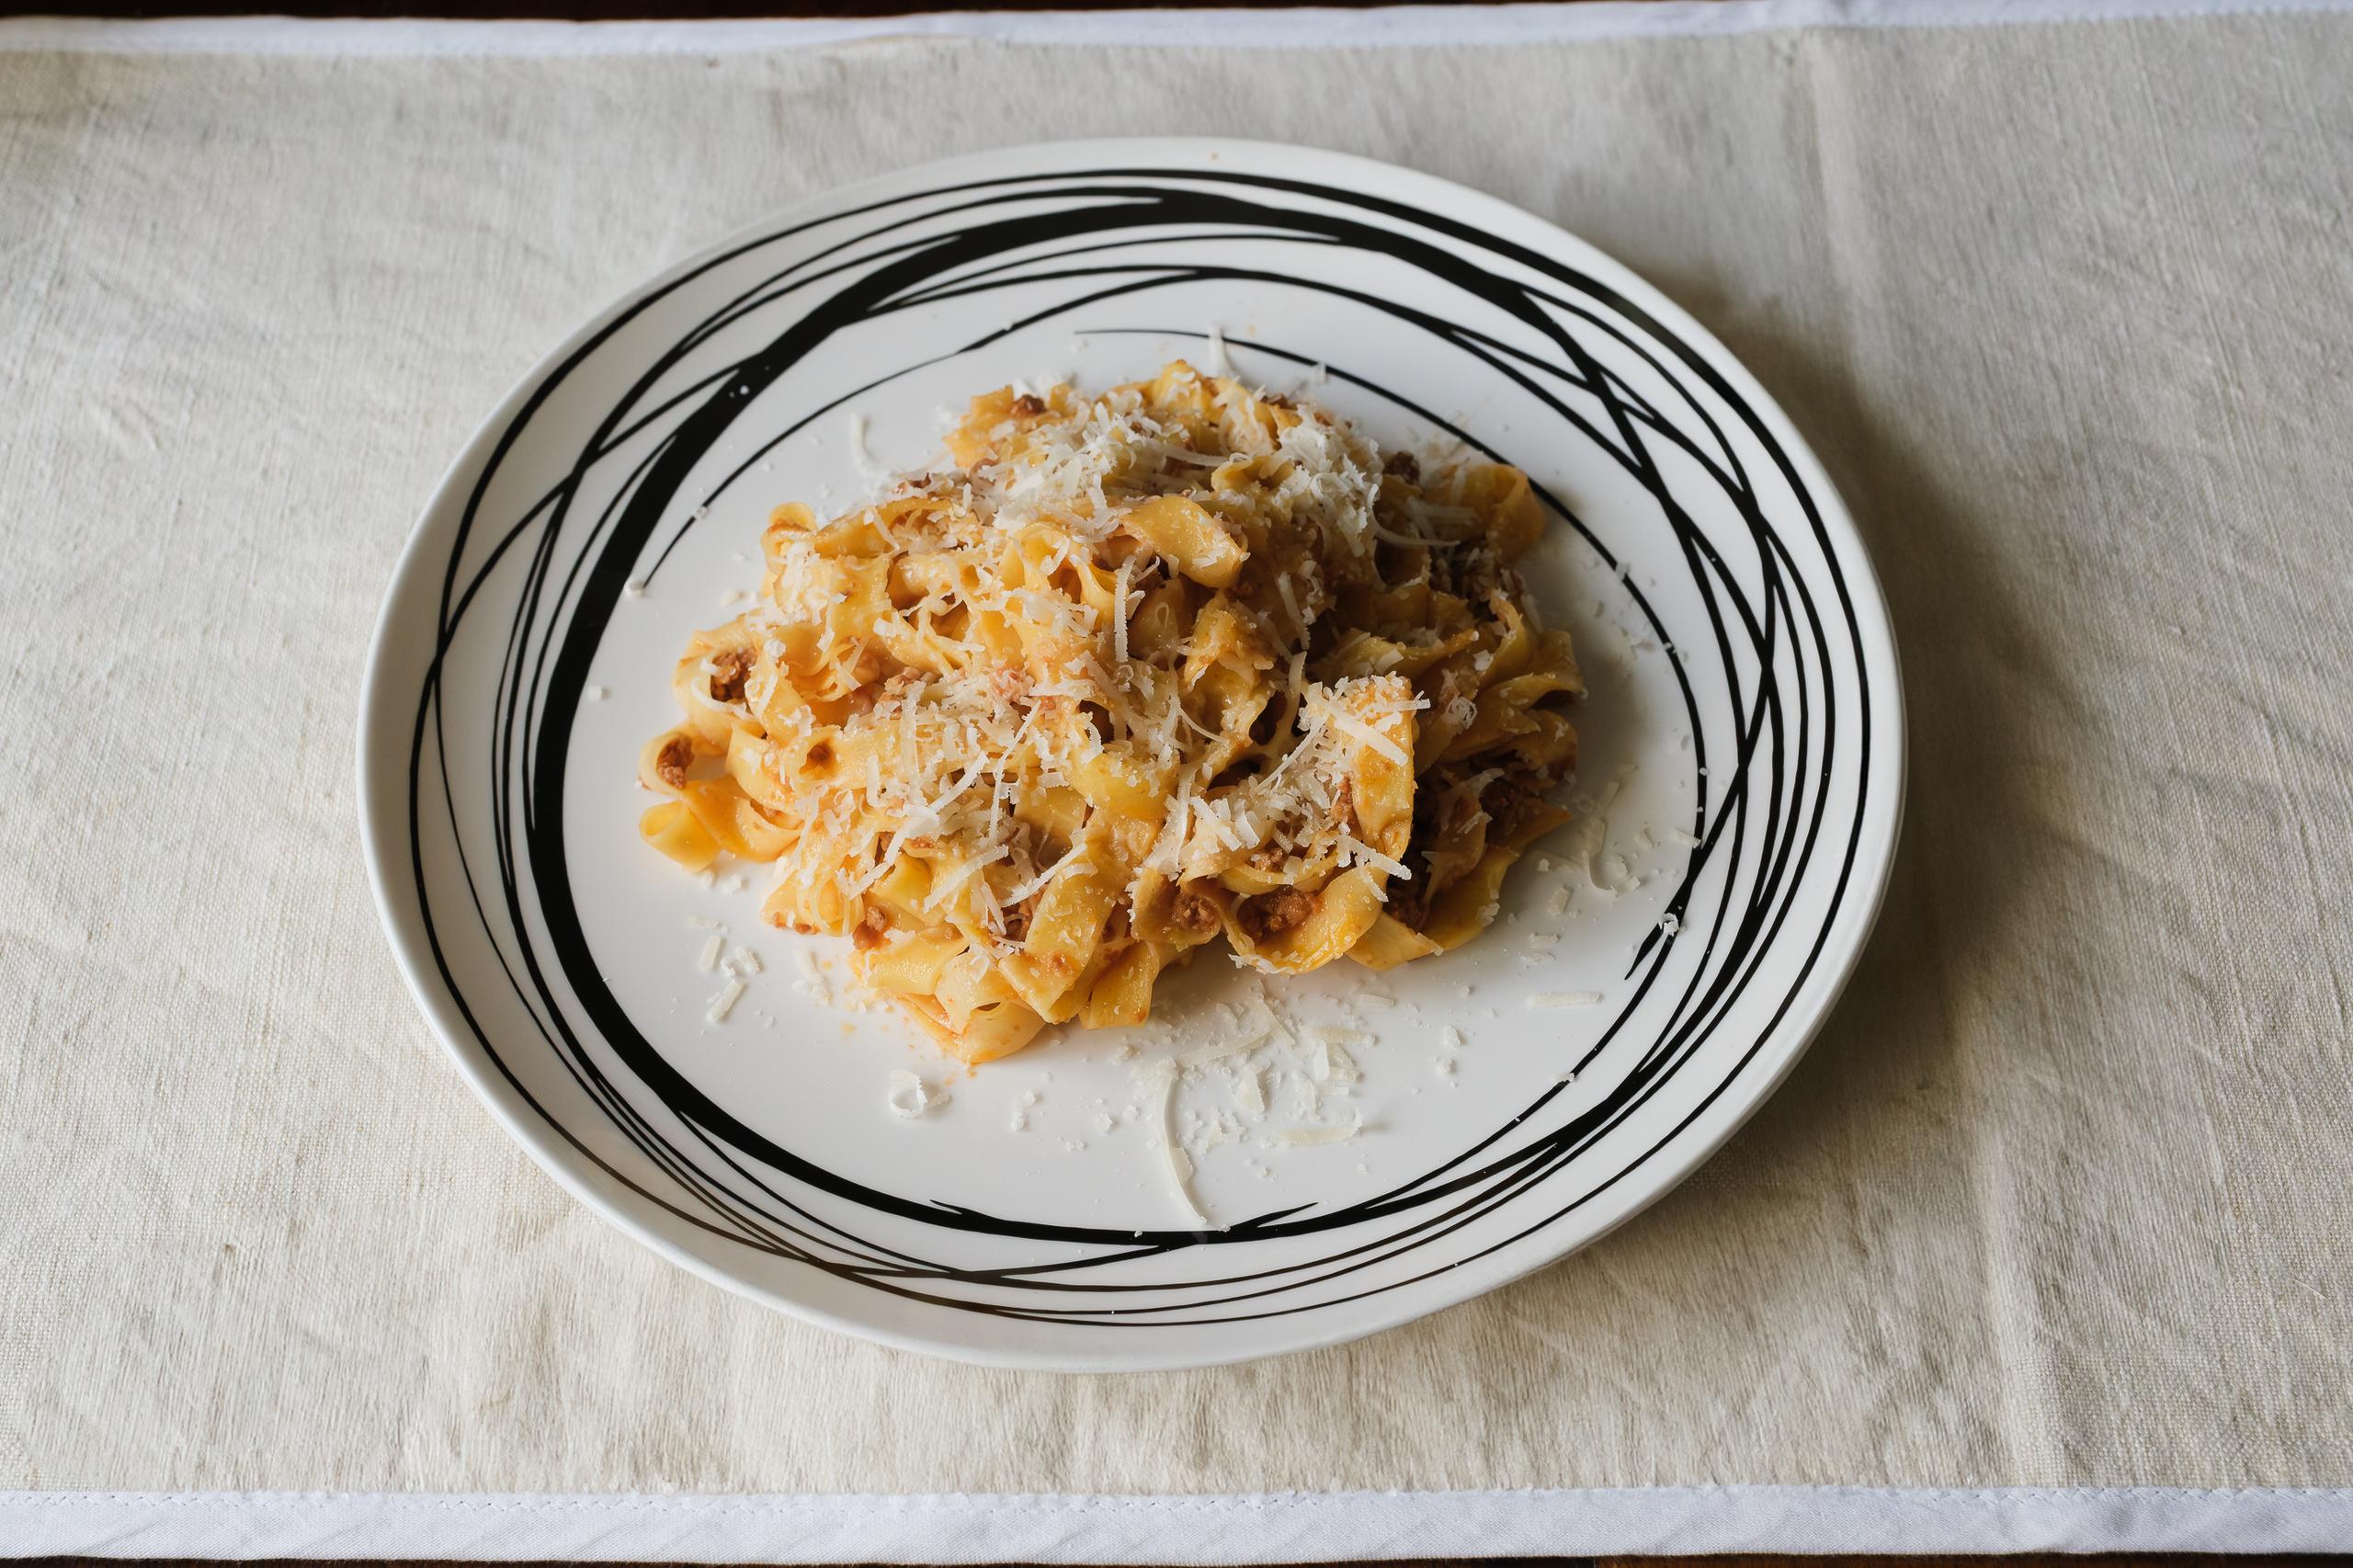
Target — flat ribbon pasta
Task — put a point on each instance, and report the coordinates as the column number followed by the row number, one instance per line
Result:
column 1180, row 662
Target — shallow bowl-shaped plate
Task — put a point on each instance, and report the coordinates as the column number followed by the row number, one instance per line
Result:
column 1740, row 783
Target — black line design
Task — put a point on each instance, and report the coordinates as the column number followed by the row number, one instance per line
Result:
column 1789, row 650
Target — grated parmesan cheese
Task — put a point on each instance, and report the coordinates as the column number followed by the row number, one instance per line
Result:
column 1162, row 1078
column 910, row 1096
column 1210, row 1054
column 1371, row 737
column 1541, row 1000
column 1015, row 896
column 942, row 769
column 1357, row 851
column 1264, row 1012
column 964, row 873
column 1311, row 1137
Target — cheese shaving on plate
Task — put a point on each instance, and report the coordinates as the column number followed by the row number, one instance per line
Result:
column 1310, row 1137
column 1040, row 722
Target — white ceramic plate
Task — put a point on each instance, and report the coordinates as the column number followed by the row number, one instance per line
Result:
column 1743, row 730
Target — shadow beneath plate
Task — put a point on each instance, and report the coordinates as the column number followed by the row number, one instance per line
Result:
column 1870, row 1099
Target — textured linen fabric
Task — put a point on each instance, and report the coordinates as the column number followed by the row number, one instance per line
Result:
column 1167, row 1529
column 2057, row 1199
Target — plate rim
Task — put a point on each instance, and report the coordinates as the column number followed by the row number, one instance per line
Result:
column 384, row 818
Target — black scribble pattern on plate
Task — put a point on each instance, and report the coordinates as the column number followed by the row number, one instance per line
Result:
column 1097, row 235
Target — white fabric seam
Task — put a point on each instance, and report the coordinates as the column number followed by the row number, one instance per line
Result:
column 701, row 1502
column 1266, row 1528
column 1390, row 26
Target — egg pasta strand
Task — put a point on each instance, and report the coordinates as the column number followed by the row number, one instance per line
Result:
column 1180, row 662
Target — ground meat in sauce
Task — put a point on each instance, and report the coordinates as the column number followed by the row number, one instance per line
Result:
column 1195, row 912
column 1409, row 901
column 1269, row 915
column 670, row 762
column 1343, row 809
column 1475, row 573
column 1454, row 698
column 727, row 673
column 1029, row 405
column 1404, row 465
column 1016, row 918
column 868, row 933
column 1507, row 802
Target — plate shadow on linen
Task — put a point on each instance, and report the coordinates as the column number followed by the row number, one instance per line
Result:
column 1867, row 1130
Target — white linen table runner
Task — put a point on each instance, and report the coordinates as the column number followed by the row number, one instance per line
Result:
column 2043, row 1245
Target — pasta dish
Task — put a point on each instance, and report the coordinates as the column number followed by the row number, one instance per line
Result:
column 1129, row 675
